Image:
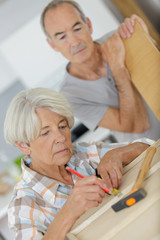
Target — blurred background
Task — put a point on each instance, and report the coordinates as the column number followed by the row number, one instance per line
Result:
column 27, row 61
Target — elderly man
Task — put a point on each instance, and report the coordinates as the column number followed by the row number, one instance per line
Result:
column 48, row 199
column 97, row 82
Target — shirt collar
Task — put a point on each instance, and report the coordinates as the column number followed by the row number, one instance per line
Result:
column 44, row 186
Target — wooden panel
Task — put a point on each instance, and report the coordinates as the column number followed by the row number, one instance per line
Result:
column 129, row 7
column 103, row 223
column 143, row 62
column 148, row 227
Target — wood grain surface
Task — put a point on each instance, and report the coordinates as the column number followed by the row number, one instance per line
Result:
column 141, row 221
column 143, row 62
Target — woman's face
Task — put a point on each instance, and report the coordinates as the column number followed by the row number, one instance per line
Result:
column 53, row 147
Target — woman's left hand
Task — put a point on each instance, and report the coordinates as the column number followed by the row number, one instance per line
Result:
column 110, row 169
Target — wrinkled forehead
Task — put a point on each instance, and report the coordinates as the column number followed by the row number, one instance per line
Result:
column 61, row 17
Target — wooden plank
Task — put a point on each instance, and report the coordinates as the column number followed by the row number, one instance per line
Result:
column 129, row 7
column 70, row 236
column 130, row 173
column 110, row 223
column 108, row 202
column 103, row 223
column 147, row 224
column 129, row 177
column 143, row 63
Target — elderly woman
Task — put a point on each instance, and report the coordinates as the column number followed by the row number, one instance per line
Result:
column 48, row 199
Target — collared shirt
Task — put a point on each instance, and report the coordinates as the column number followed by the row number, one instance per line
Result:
column 37, row 199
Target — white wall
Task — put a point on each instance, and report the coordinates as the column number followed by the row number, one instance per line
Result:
column 32, row 59
column 7, row 73
column 102, row 19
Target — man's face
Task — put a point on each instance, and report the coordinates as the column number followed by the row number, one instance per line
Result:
column 53, row 147
column 69, row 33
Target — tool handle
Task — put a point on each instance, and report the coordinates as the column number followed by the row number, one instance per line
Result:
column 144, row 169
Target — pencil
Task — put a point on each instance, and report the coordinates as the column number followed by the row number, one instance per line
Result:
column 81, row 176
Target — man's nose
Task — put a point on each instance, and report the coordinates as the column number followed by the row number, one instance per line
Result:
column 73, row 40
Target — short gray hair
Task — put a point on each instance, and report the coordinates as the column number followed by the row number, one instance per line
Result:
column 53, row 4
column 22, row 123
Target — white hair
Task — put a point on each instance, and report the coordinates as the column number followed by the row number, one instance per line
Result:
column 22, row 123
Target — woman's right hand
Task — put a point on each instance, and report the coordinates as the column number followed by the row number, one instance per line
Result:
column 87, row 193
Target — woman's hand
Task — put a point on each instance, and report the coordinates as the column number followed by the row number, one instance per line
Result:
column 87, row 193
column 110, row 169
column 111, row 165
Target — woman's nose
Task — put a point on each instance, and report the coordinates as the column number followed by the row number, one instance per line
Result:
column 59, row 137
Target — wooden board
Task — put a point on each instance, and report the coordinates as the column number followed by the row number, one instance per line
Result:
column 129, row 7
column 103, row 223
column 143, row 62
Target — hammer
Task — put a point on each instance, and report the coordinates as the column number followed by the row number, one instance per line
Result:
column 137, row 193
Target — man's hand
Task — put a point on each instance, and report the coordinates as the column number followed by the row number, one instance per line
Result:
column 127, row 117
column 126, row 29
column 113, row 52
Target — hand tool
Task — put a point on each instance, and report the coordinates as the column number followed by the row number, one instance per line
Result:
column 137, row 193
